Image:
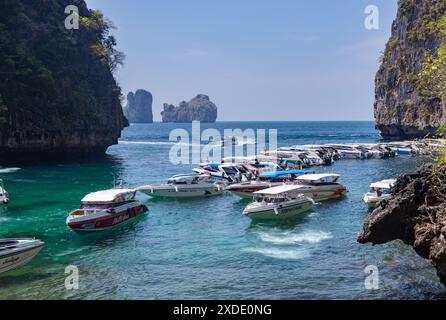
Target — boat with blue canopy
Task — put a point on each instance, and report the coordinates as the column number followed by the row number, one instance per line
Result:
column 273, row 175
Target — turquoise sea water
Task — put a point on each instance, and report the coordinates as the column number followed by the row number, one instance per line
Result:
column 206, row 248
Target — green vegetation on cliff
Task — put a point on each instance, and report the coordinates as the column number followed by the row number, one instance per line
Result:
column 57, row 90
column 433, row 76
column 409, row 101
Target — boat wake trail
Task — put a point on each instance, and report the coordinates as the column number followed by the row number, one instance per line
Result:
column 9, row 170
column 289, row 238
column 283, row 254
column 158, row 143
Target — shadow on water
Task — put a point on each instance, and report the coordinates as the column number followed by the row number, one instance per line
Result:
column 284, row 225
column 17, row 277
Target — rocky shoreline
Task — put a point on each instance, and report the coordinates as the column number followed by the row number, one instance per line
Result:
column 416, row 214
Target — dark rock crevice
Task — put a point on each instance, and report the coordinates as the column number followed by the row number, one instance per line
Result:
column 416, row 214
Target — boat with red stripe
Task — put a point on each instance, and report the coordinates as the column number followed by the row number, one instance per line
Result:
column 105, row 209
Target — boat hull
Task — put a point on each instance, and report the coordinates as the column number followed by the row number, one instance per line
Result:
column 104, row 221
column 279, row 213
column 316, row 193
column 14, row 260
column 372, row 201
column 182, row 192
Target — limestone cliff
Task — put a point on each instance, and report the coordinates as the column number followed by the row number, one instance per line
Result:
column 199, row 108
column 400, row 109
column 58, row 96
column 416, row 214
column 139, row 107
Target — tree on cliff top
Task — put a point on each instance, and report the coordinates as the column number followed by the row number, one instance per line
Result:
column 432, row 83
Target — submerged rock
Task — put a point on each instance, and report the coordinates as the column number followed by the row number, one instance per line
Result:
column 139, row 107
column 416, row 214
column 199, row 108
column 400, row 110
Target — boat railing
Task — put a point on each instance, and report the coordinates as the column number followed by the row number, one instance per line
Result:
column 83, row 212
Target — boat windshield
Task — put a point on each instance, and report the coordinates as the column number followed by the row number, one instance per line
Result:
column 6, row 244
column 269, row 199
column 103, row 206
column 380, row 191
column 322, row 181
column 230, row 171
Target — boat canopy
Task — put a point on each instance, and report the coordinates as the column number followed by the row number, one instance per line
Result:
column 212, row 165
column 111, row 195
column 272, row 175
column 384, row 184
column 278, row 190
column 322, row 177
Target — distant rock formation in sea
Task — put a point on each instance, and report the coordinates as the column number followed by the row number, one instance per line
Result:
column 199, row 108
column 139, row 107
column 416, row 214
column 400, row 109
column 58, row 95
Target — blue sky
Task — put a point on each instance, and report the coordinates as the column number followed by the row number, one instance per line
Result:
column 257, row 60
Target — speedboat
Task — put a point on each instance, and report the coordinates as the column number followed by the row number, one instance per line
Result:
column 257, row 168
column 4, row 196
column 15, row 253
column 265, row 181
column 349, row 152
column 184, row 186
column 229, row 172
column 403, row 148
column 105, row 209
column 280, row 202
column 321, row 187
column 378, row 191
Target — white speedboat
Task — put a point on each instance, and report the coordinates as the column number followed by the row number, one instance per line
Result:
column 184, row 186
column 349, row 152
column 378, row 191
column 229, row 172
column 276, row 203
column 4, row 196
column 265, row 181
column 321, row 187
column 15, row 253
column 106, row 209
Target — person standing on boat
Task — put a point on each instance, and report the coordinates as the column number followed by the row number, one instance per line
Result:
column 379, row 192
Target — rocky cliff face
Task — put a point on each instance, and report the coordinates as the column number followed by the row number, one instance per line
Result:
column 400, row 109
column 416, row 215
column 139, row 107
column 58, row 96
column 199, row 108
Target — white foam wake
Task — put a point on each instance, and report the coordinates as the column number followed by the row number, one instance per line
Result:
column 283, row 254
column 146, row 142
column 9, row 170
column 158, row 143
column 290, row 238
